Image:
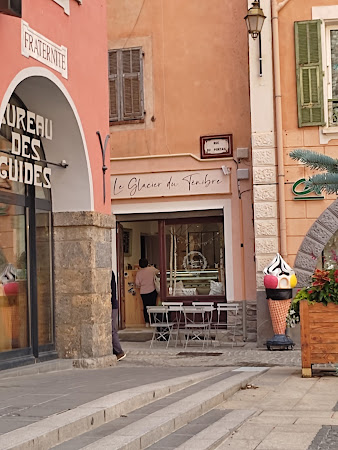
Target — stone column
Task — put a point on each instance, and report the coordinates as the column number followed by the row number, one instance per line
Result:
column 82, row 274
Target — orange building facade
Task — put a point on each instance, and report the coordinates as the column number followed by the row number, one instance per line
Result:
column 181, row 178
column 299, row 112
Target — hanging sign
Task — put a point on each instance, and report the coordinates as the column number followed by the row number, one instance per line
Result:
column 302, row 192
column 36, row 46
column 167, row 184
column 26, row 143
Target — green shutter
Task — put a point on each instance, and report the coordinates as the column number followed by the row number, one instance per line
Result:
column 309, row 73
column 132, row 84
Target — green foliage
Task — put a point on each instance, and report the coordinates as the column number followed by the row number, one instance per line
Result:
column 323, row 289
column 324, row 182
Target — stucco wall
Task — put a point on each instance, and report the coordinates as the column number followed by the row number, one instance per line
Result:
column 196, row 84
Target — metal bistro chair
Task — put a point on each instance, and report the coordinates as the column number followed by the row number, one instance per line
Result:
column 175, row 316
column 208, row 314
column 159, row 322
column 197, row 322
column 223, row 326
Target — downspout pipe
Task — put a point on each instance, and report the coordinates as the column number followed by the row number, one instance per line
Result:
column 275, row 8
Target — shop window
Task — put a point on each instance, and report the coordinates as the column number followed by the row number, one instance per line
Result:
column 195, row 259
column 125, row 85
column 26, row 295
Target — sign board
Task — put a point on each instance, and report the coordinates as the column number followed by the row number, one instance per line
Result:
column 217, row 146
column 26, row 147
column 36, row 46
column 169, row 184
column 303, row 192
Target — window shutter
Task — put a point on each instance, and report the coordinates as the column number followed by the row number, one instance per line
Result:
column 309, row 73
column 113, row 86
column 132, row 100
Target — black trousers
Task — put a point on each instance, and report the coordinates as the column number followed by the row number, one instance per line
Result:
column 148, row 300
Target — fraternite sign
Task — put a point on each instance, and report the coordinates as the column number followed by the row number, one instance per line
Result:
column 169, row 184
column 36, row 46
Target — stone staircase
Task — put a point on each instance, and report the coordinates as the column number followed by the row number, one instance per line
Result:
column 175, row 413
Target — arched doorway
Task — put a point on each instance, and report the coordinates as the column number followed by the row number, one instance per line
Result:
column 40, row 129
column 314, row 243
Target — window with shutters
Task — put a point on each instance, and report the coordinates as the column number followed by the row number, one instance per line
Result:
column 125, row 85
column 332, row 74
column 309, row 73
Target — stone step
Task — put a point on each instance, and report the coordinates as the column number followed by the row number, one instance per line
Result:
column 165, row 420
column 210, row 437
column 59, row 428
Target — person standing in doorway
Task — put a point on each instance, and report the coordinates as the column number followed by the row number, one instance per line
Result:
column 145, row 282
column 117, row 349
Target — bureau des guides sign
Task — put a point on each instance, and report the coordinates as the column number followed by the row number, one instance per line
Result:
column 168, row 184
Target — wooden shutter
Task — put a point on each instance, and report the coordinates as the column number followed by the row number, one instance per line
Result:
column 132, row 84
column 113, row 86
column 309, row 73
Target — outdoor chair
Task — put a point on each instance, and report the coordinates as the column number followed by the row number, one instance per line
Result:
column 227, row 320
column 175, row 316
column 197, row 323
column 160, row 324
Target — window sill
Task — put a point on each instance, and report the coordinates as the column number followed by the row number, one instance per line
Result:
column 126, row 122
column 330, row 130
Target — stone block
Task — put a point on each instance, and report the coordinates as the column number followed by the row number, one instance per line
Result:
column 266, row 228
column 74, row 254
column 334, row 207
column 264, row 175
column 265, row 193
column 89, row 233
column 84, row 218
column 266, row 245
column 102, row 280
column 264, row 157
column 265, row 210
column 329, row 221
column 319, row 233
column 72, row 281
column 305, row 262
column 103, row 254
column 311, row 247
column 263, row 260
column 68, row 341
column 263, row 140
column 303, row 277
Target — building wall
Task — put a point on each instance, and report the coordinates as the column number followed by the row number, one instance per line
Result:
column 300, row 214
column 196, row 84
column 87, row 66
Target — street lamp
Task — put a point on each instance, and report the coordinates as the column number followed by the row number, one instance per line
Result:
column 255, row 19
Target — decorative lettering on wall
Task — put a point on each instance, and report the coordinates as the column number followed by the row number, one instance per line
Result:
column 36, row 46
column 302, row 191
column 27, row 147
column 165, row 184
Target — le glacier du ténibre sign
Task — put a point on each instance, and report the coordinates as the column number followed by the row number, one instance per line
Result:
column 36, row 46
column 167, row 184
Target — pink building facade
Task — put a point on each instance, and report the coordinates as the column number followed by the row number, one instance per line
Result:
column 55, row 224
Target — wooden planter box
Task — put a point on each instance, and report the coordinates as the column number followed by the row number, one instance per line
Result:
column 319, row 335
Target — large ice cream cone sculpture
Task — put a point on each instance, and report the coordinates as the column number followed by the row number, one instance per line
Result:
column 279, row 280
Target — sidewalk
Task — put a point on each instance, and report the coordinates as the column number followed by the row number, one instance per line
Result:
column 287, row 412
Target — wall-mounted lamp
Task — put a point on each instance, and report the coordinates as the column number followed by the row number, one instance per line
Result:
column 255, row 19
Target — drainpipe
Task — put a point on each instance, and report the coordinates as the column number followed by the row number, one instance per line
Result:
column 275, row 8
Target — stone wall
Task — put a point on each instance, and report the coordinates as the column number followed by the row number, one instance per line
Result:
column 82, row 274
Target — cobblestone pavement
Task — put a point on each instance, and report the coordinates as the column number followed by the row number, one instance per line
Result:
column 140, row 353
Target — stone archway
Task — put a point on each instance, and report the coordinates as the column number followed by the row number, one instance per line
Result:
column 314, row 242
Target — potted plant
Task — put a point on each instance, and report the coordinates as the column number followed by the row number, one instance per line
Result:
column 316, row 308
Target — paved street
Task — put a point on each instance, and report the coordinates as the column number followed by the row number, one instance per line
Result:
column 287, row 411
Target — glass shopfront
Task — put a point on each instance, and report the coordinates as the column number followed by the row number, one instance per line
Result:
column 188, row 251
column 26, row 288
